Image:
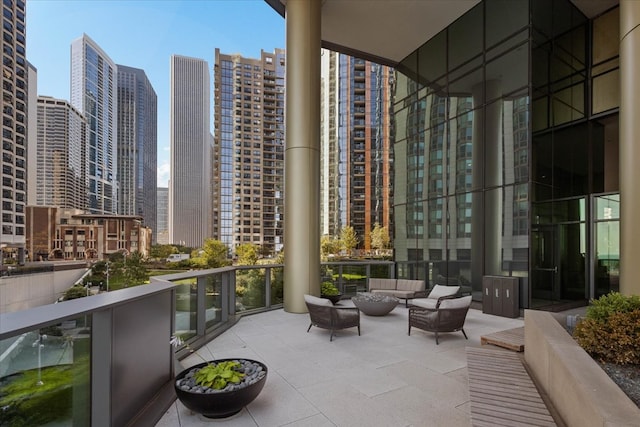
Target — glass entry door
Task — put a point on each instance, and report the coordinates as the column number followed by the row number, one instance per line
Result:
column 544, row 265
column 559, row 263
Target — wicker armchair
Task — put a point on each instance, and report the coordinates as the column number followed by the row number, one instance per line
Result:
column 325, row 315
column 432, row 298
column 448, row 317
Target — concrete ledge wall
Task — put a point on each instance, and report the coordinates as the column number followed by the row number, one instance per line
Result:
column 33, row 290
column 581, row 392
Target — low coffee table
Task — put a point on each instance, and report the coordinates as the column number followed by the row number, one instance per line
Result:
column 375, row 304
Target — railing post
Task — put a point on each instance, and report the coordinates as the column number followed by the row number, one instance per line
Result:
column 228, row 283
column 267, row 284
column 201, row 318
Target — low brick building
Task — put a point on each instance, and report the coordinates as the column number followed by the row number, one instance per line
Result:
column 59, row 233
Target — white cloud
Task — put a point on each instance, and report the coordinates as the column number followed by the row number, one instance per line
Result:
column 163, row 174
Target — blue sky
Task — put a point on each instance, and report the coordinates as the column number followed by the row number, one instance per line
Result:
column 144, row 34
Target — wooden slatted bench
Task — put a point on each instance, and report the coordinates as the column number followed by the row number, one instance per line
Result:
column 501, row 391
column 512, row 339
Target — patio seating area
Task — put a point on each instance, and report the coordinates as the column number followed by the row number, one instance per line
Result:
column 382, row 378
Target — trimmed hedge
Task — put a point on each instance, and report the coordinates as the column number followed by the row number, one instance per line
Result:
column 616, row 340
column 611, row 330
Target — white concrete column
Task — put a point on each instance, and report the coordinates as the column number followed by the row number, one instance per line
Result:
column 629, row 146
column 302, row 154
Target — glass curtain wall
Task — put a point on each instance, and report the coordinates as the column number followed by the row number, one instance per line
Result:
column 575, row 223
column 462, row 139
column 506, row 152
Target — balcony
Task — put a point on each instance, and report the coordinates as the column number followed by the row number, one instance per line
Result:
column 105, row 360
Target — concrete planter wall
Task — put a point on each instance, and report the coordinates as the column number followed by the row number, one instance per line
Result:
column 581, row 392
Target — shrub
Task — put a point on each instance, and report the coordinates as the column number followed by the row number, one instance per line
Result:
column 602, row 308
column 615, row 340
column 329, row 289
column 76, row 291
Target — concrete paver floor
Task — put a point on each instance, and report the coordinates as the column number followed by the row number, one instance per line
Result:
column 382, row 378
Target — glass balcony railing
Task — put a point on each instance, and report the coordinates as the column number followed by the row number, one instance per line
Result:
column 106, row 359
column 41, row 371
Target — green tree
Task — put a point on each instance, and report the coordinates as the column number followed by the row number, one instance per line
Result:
column 125, row 270
column 247, row 254
column 348, row 238
column 162, row 251
column 379, row 237
column 279, row 257
column 98, row 273
column 329, row 246
column 213, row 255
column 133, row 269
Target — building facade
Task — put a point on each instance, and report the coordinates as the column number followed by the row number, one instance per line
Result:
column 249, row 150
column 32, row 132
column 514, row 134
column 15, row 90
column 137, row 145
column 161, row 233
column 94, row 94
column 60, row 166
column 190, row 144
column 356, row 158
column 507, row 152
column 68, row 234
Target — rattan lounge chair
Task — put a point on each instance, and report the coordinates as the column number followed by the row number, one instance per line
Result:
column 435, row 296
column 448, row 317
column 325, row 315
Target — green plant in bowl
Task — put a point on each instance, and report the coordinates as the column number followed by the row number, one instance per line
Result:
column 329, row 289
column 218, row 375
column 214, row 375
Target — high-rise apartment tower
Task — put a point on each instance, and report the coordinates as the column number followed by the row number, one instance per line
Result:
column 249, row 150
column 356, row 157
column 93, row 93
column 60, row 166
column 14, row 126
column 137, row 145
column 190, row 177
column 161, row 235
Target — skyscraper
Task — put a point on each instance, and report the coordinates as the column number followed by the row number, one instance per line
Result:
column 137, row 145
column 14, row 126
column 249, row 150
column 355, row 145
column 60, row 166
column 93, row 93
column 190, row 143
column 161, row 234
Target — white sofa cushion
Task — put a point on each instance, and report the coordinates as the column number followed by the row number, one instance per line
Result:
column 378, row 283
column 456, row 302
column 440, row 291
column 317, row 301
column 410, row 285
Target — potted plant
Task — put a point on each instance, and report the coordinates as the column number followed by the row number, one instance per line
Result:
column 219, row 388
column 329, row 291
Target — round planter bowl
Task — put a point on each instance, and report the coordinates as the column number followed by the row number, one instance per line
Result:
column 375, row 308
column 333, row 298
column 221, row 404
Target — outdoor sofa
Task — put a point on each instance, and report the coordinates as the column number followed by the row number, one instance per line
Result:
column 405, row 289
